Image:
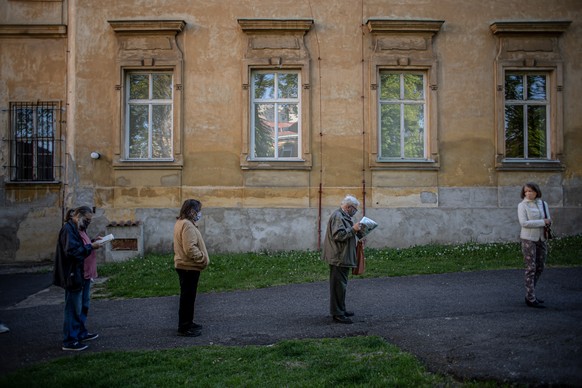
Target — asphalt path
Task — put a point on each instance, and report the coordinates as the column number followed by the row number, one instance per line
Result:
column 472, row 325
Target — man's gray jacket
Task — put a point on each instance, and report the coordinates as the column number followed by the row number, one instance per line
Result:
column 339, row 246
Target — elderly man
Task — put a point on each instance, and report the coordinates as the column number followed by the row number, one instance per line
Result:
column 339, row 251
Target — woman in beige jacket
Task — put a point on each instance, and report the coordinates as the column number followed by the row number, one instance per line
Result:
column 190, row 257
column 534, row 215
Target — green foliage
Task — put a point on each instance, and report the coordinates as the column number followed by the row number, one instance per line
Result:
column 356, row 361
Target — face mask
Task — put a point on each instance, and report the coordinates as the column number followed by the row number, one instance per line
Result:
column 352, row 212
column 197, row 217
column 84, row 224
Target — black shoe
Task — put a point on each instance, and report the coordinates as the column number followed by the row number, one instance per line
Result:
column 349, row 314
column 195, row 326
column 89, row 337
column 190, row 333
column 75, row 346
column 342, row 319
column 535, row 304
column 539, row 300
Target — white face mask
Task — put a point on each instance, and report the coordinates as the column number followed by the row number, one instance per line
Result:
column 198, row 216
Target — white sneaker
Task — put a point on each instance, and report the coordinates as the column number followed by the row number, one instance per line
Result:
column 3, row 328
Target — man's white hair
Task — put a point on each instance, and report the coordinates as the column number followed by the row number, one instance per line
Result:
column 350, row 200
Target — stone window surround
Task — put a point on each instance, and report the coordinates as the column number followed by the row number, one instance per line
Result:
column 530, row 46
column 276, row 44
column 148, row 45
column 404, row 45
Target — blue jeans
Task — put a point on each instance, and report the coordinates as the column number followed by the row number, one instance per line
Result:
column 73, row 324
column 85, row 301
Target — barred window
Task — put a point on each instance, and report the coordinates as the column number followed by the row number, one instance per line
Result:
column 34, row 141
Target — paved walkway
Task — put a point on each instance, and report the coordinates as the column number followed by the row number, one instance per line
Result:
column 472, row 325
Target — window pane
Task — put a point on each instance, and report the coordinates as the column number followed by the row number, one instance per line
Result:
column 389, row 86
column 161, row 131
column 513, row 87
column 536, row 87
column 287, row 85
column 264, row 130
column 264, row 85
column 24, row 160
column 390, row 131
column 536, row 132
column 514, row 141
column 138, row 131
column 23, row 124
column 413, row 87
column 139, row 87
column 45, row 123
column 288, row 135
column 162, row 86
column 414, row 131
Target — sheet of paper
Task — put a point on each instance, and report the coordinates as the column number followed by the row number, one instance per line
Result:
column 105, row 239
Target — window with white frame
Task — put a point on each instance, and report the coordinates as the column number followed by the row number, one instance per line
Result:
column 402, row 116
column 34, row 141
column 275, row 114
column 529, row 83
column 149, row 115
column 527, row 112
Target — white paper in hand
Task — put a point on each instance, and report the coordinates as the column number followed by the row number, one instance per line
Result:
column 105, row 239
column 366, row 226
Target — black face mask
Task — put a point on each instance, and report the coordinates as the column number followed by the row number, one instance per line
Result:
column 83, row 225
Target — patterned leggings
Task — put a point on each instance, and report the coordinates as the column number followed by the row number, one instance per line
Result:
column 534, row 256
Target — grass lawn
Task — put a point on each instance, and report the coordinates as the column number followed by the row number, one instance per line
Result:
column 344, row 362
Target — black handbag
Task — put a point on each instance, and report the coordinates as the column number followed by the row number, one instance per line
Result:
column 548, row 234
column 74, row 280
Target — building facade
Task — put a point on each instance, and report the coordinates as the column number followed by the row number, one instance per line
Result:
column 432, row 113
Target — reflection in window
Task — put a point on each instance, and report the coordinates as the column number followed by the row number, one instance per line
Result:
column 526, row 116
column 402, row 116
column 275, row 119
column 33, row 137
column 149, row 116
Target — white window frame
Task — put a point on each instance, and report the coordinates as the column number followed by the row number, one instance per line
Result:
column 530, row 47
column 401, row 102
column 276, row 45
column 405, row 46
column 525, row 103
column 138, row 43
column 275, row 101
column 150, row 103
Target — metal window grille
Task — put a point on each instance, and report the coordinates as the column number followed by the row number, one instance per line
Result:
column 34, row 141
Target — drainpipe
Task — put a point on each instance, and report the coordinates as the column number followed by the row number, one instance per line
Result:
column 363, row 98
column 320, row 191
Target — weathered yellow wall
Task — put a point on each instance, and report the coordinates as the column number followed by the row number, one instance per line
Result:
column 213, row 46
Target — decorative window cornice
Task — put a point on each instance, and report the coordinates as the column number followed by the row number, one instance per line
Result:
column 147, row 26
column 250, row 26
column 33, row 31
column 533, row 27
column 392, row 25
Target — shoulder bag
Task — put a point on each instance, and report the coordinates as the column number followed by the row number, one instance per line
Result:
column 548, row 228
